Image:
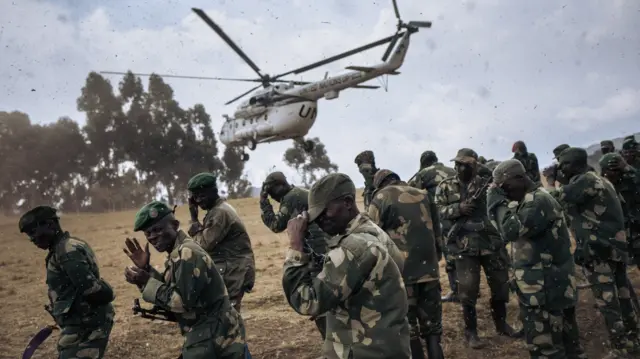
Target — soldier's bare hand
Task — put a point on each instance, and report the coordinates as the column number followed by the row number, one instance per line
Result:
column 138, row 256
column 467, row 208
column 296, row 229
column 137, row 276
column 194, row 228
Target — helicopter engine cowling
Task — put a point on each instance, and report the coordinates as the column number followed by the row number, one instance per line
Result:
column 331, row 94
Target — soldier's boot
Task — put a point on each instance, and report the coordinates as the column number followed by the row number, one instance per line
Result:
column 416, row 348
column 452, row 296
column 434, row 349
column 471, row 327
column 499, row 314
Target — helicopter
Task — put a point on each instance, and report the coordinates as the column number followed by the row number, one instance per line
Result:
column 287, row 109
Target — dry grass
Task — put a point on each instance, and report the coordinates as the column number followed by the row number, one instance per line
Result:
column 273, row 329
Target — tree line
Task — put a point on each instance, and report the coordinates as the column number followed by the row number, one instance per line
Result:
column 137, row 144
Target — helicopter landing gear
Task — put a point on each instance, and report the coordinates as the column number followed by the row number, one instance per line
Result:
column 252, row 144
column 244, row 157
column 307, row 145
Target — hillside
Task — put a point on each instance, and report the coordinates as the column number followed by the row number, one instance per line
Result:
column 595, row 153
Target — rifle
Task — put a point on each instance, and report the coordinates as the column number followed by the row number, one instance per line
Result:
column 462, row 221
column 155, row 313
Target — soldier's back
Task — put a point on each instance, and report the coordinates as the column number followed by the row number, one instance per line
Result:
column 236, row 241
column 428, row 178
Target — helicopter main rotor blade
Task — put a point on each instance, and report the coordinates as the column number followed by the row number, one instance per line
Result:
column 419, row 23
column 183, row 77
column 366, row 87
column 228, row 40
column 244, row 94
column 392, row 43
column 395, row 8
column 336, row 57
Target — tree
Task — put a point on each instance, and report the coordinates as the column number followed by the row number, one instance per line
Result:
column 310, row 166
column 237, row 184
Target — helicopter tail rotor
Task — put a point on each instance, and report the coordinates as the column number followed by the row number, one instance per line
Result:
column 411, row 26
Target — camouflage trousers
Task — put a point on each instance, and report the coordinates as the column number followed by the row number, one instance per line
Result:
column 238, row 275
column 222, row 337
column 468, row 271
column 609, row 285
column 551, row 334
column 78, row 342
column 425, row 309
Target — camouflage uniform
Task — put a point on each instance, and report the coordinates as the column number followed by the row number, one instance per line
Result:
column 367, row 166
column 630, row 148
column 529, row 160
column 492, row 164
column 601, row 245
column 191, row 287
column 292, row 204
column 410, row 218
column 607, row 146
column 360, row 286
column 476, row 245
column 544, row 272
column 226, row 240
column 80, row 299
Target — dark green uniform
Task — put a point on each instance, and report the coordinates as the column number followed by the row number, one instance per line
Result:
column 368, row 171
column 72, row 276
column 530, row 162
column 192, row 288
column 293, row 203
column 597, row 223
column 225, row 238
column 410, row 218
column 544, row 271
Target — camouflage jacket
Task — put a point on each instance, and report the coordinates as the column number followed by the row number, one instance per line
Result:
column 293, row 203
column 544, row 271
column 410, row 218
column 361, row 290
column 596, row 216
column 530, row 163
column 484, row 171
column 472, row 241
column 628, row 188
column 190, row 286
column 72, row 276
column 428, row 178
column 368, row 171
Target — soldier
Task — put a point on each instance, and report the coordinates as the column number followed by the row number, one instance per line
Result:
column 551, row 173
column 482, row 160
column 475, row 243
column 428, row 179
column 190, row 286
column 528, row 159
column 626, row 181
column 410, row 218
column 223, row 235
column 360, row 286
column 630, row 152
column 607, row 146
column 492, row 164
column 80, row 300
column 601, row 244
column 366, row 163
column 544, row 273
column 293, row 201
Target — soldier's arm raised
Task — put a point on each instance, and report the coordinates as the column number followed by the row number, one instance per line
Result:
column 75, row 263
column 215, row 229
column 577, row 192
column 514, row 220
column 190, row 278
column 342, row 274
column 446, row 210
column 277, row 222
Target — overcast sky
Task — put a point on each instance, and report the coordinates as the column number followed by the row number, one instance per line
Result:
column 487, row 74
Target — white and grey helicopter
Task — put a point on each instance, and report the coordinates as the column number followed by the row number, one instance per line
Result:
column 288, row 109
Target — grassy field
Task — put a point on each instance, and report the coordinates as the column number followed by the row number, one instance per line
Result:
column 273, row 329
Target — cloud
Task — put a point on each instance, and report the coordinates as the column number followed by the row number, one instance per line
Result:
column 487, row 74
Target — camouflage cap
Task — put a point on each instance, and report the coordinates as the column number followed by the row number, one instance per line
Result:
column 558, row 150
column 364, row 157
column 325, row 190
column 150, row 214
column 506, row 170
column 466, row 155
column 428, row 156
column 35, row 215
column 382, row 175
column 609, row 160
column 573, row 155
column 201, row 181
column 629, row 143
column 606, row 143
column 629, row 138
column 275, row 177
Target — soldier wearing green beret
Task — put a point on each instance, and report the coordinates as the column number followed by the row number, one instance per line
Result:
column 630, row 151
column 474, row 243
column 597, row 223
column 366, row 163
column 626, row 181
column 293, row 201
column 410, row 218
column 544, row 272
column 528, row 159
column 80, row 300
column 223, row 235
column 607, row 146
column 190, row 286
column 360, row 286
column 430, row 175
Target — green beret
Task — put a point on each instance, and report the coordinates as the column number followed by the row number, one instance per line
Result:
column 382, row 175
column 506, row 170
column 466, row 155
column 326, row 189
column 275, row 177
column 573, row 155
column 558, row 150
column 150, row 214
column 201, row 181
column 35, row 215
column 607, row 161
